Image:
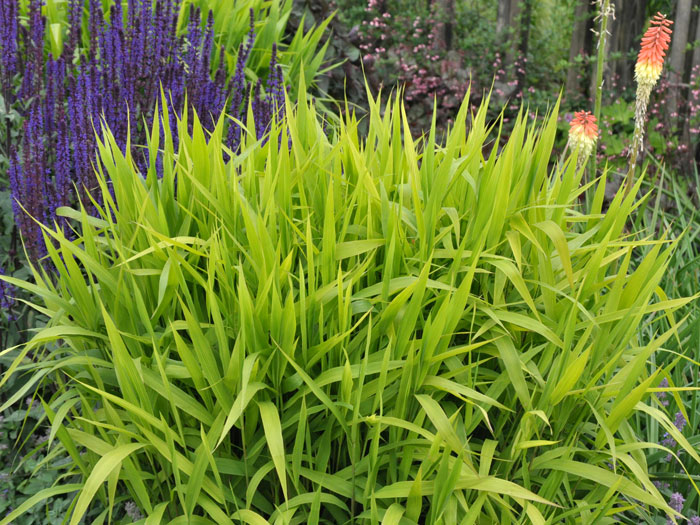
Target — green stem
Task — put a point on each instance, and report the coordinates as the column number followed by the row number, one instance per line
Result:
column 604, row 12
column 636, row 146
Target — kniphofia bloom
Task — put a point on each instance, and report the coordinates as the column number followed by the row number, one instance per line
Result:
column 647, row 71
column 655, row 41
column 583, row 133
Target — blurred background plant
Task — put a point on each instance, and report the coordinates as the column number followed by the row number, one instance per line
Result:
column 525, row 51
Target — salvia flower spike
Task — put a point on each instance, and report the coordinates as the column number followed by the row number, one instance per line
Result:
column 583, row 134
column 119, row 70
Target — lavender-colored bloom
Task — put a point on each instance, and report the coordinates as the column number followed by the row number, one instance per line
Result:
column 8, row 43
column 237, row 88
column 75, row 16
column 695, row 520
column 276, row 85
column 63, row 165
column 680, row 421
column 194, row 35
column 32, row 81
column 662, row 395
column 676, row 501
column 133, row 511
column 668, row 441
column 661, row 485
column 95, row 22
column 56, row 73
column 27, row 182
column 207, row 43
column 120, row 73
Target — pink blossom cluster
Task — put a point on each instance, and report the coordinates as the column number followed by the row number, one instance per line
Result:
column 414, row 59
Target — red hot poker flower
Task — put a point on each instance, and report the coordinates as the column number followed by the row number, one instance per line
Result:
column 584, row 125
column 655, row 41
column 583, row 132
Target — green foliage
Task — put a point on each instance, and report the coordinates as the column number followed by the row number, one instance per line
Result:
column 26, row 467
column 9, row 128
column 371, row 328
column 301, row 53
column 673, row 209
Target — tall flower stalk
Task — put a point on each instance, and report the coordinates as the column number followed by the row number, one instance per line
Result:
column 605, row 11
column 647, row 71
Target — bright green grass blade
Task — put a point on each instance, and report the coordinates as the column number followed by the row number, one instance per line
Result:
column 111, row 461
column 273, row 437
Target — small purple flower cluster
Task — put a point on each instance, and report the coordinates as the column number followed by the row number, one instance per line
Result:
column 668, row 440
column 133, row 511
column 130, row 56
column 676, row 502
column 8, row 42
column 663, row 395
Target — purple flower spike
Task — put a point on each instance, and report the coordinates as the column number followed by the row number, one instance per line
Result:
column 662, row 395
column 676, row 501
column 115, row 78
column 680, row 421
column 8, row 43
column 75, row 17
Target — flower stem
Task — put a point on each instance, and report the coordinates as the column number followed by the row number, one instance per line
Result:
column 636, row 148
column 605, row 10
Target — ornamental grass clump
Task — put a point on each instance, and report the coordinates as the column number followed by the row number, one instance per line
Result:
column 367, row 328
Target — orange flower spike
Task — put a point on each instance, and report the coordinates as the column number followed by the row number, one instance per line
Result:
column 583, row 133
column 655, row 41
column 647, row 71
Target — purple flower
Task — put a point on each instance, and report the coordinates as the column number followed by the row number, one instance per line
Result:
column 8, row 43
column 662, row 395
column 668, row 441
column 680, row 421
column 133, row 511
column 75, row 15
column 119, row 73
column 661, row 485
column 676, row 501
